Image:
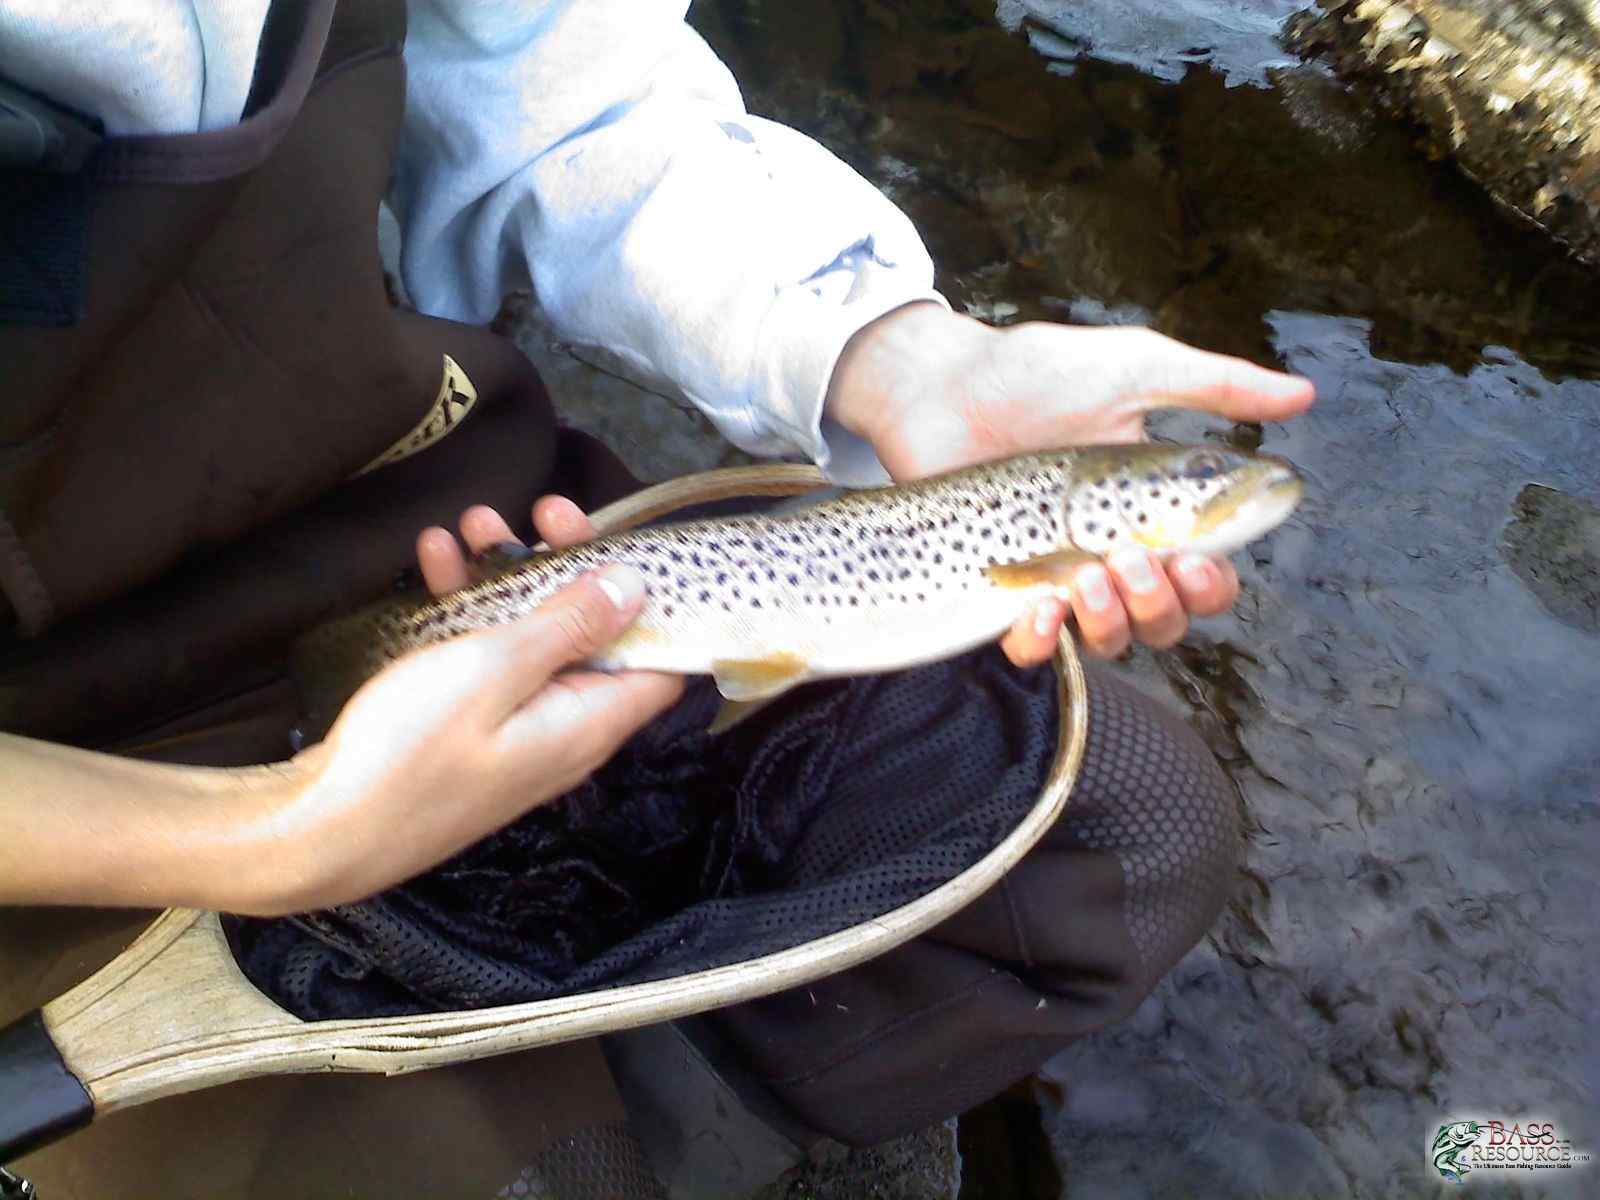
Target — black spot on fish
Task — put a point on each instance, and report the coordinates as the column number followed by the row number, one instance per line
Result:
column 958, row 545
column 1143, row 517
column 1105, row 504
column 1176, row 501
column 704, row 596
column 854, row 600
column 1123, row 485
column 666, row 610
column 793, row 580
column 754, row 603
column 722, row 577
column 1111, row 533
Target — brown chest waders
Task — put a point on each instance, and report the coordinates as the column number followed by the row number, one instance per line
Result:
column 177, row 449
column 199, row 356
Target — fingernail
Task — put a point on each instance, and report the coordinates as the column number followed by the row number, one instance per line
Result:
column 1134, row 567
column 1195, row 572
column 1094, row 586
column 1046, row 617
column 622, row 585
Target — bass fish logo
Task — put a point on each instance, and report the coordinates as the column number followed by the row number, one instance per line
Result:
column 1449, row 1144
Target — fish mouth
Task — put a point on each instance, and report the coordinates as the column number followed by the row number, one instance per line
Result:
column 1255, row 503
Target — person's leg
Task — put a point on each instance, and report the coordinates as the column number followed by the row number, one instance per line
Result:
column 1071, row 940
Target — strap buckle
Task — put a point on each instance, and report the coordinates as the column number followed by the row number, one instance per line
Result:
column 15, row 1187
column 36, row 135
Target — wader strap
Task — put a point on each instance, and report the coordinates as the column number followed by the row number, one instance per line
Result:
column 292, row 45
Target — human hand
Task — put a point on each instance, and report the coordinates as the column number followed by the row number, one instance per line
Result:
column 455, row 741
column 934, row 391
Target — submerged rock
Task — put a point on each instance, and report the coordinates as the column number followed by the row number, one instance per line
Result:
column 1508, row 88
column 1553, row 544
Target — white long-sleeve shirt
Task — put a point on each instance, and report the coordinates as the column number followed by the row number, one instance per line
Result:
column 594, row 151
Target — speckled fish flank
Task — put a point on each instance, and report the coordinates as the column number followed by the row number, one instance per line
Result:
column 875, row 580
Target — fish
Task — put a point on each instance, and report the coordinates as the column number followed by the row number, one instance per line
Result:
column 874, row 580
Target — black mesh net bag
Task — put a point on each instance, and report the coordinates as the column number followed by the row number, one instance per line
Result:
column 687, row 851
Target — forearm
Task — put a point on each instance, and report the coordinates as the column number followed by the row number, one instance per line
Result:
column 654, row 220
column 78, row 827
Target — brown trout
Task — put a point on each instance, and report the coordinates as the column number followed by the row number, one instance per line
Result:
column 876, row 580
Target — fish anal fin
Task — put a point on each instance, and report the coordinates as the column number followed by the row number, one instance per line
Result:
column 1055, row 569
column 736, row 712
column 744, row 679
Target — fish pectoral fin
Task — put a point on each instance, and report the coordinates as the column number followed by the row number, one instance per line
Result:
column 744, row 679
column 1054, row 569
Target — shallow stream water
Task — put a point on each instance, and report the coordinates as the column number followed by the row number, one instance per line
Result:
column 1408, row 696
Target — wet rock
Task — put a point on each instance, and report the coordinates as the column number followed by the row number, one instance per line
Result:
column 1164, row 37
column 1553, row 545
column 1509, row 88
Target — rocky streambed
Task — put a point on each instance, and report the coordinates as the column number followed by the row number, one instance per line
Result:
column 1508, row 88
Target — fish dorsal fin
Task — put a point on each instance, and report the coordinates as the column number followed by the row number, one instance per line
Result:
column 502, row 557
column 745, row 679
column 1055, row 569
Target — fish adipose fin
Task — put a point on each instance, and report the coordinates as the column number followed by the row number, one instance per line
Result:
column 1054, row 569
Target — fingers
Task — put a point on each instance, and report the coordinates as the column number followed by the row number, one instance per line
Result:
column 1181, row 376
column 1102, row 621
column 573, row 625
column 1155, row 613
column 1032, row 640
column 483, row 529
column 561, row 523
column 587, row 715
column 444, row 567
column 1206, row 586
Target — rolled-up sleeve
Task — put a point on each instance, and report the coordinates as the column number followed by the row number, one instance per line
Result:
column 597, row 153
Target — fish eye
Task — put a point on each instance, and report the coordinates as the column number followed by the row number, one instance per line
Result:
column 1205, row 465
